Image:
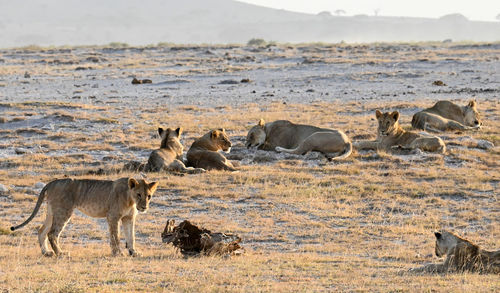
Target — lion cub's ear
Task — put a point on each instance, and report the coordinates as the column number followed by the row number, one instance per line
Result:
column 178, row 131
column 438, row 235
column 132, row 183
column 222, row 130
column 160, row 131
column 152, row 186
column 261, row 122
column 395, row 115
column 378, row 114
column 472, row 104
column 214, row 133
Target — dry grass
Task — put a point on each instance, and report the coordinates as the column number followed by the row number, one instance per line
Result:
column 307, row 224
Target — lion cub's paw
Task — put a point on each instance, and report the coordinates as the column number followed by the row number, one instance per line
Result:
column 134, row 253
column 48, row 254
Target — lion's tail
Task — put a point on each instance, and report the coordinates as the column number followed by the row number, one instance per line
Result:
column 347, row 153
column 41, row 197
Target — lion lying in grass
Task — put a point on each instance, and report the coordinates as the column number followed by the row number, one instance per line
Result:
column 447, row 116
column 116, row 201
column 392, row 136
column 299, row 139
column 204, row 151
column 169, row 156
column 461, row 256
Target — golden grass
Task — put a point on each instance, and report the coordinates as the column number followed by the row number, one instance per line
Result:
column 307, row 225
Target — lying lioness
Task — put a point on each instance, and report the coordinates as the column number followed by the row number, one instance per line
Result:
column 285, row 136
column 447, row 116
column 204, row 151
column 461, row 256
column 391, row 136
column 169, row 156
column 116, row 201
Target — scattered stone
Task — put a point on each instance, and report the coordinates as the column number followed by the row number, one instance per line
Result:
column 484, row 144
column 39, row 185
column 83, row 68
column 141, row 81
column 310, row 91
column 21, row 151
column 439, row 83
column 3, row 189
column 192, row 240
column 245, row 80
column 92, row 59
column 229, row 81
column 27, row 75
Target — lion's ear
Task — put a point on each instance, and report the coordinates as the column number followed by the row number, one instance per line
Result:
column 178, row 131
column 378, row 114
column 472, row 104
column 395, row 115
column 152, row 186
column 261, row 122
column 438, row 235
column 132, row 183
column 214, row 134
column 160, row 130
column 222, row 130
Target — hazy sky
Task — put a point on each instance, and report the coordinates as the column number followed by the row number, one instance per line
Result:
column 485, row 10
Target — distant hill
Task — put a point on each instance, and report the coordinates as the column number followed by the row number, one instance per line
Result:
column 89, row 22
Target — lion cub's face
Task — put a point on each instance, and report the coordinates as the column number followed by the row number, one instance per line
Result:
column 445, row 242
column 471, row 115
column 141, row 192
column 170, row 139
column 220, row 139
column 256, row 136
column 387, row 122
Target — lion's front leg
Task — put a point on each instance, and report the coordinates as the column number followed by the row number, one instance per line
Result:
column 365, row 145
column 429, row 268
column 128, row 229
column 114, row 235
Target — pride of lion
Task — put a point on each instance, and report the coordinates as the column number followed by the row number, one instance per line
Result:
column 118, row 201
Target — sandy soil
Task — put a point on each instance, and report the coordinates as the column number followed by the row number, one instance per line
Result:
column 307, row 224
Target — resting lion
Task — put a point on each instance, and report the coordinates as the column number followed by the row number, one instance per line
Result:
column 447, row 116
column 169, row 156
column 461, row 256
column 299, row 139
column 204, row 151
column 116, row 201
column 392, row 136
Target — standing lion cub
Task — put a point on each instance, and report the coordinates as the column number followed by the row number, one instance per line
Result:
column 116, row 201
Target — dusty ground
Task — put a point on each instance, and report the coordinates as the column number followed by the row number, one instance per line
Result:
column 307, row 224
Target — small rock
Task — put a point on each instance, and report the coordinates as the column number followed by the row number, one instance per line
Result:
column 141, row 81
column 484, row 144
column 229, row 81
column 439, row 83
column 27, row 75
column 245, row 80
column 3, row 188
column 21, row 151
column 39, row 185
column 310, row 91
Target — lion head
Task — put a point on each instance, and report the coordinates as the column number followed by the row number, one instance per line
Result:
column 219, row 140
column 445, row 242
column 387, row 122
column 471, row 115
column 141, row 192
column 170, row 139
column 257, row 135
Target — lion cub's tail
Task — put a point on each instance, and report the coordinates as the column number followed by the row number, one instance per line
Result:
column 41, row 197
column 347, row 153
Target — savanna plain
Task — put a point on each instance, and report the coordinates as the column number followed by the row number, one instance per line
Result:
column 307, row 224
